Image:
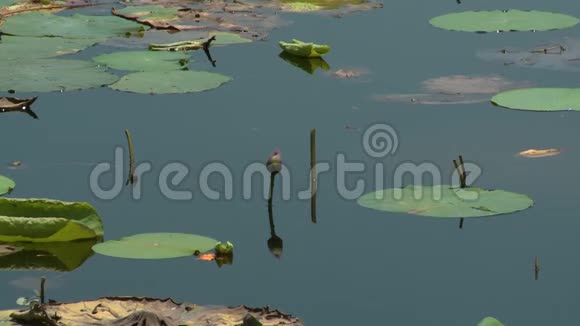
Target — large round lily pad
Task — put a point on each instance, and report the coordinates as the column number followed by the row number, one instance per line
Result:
column 46, row 75
column 170, row 82
column 452, row 202
column 155, row 246
column 45, row 220
column 6, row 185
column 540, row 99
column 19, row 48
column 75, row 26
column 503, row 21
column 143, row 60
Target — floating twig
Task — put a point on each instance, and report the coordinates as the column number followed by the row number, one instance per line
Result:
column 313, row 181
column 548, row 50
column 536, row 268
column 131, row 177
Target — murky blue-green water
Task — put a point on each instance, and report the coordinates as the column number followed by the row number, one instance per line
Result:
column 356, row 266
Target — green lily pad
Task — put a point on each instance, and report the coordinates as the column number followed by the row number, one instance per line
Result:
column 503, row 21
column 540, row 99
column 6, row 185
column 45, row 220
column 303, row 49
column 21, row 48
column 489, row 321
column 170, row 82
column 155, row 246
column 226, row 38
column 54, row 256
column 452, row 202
column 46, row 75
column 75, row 26
column 144, row 60
column 149, row 12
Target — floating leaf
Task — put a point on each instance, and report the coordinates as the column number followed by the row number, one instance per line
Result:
column 563, row 55
column 503, row 21
column 75, row 26
column 143, row 60
column 6, row 250
column 308, row 65
column 147, row 311
column 225, row 38
column 540, row 99
column 303, row 49
column 21, row 48
column 301, row 7
column 46, row 75
column 445, row 201
column 535, row 153
column 457, row 89
column 54, row 256
column 155, row 246
column 170, row 82
column 224, row 249
column 45, row 220
column 6, row 185
column 490, row 321
column 12, row 104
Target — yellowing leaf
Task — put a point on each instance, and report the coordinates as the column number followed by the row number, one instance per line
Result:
column 535, row 153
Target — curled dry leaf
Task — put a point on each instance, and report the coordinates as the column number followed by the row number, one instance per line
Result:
column 12, row 104
column 535, row 153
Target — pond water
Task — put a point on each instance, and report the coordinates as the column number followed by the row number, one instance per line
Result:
column 355, row 266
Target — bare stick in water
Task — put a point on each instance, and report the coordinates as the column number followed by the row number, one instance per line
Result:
column 463, row 174
column 42, row 281
column 313, row 181
column 536, row 268
column 461, row 180
column 131, row 178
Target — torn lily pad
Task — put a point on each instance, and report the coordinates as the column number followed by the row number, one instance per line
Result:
column 446, row 201
column 47, row 75
column 144, row 60
column 75, row 26
column 503, row 21
column 156, row 246
column 6, row 185
column 540, row 99
column 170, row 82
column 129, row 310
column 303, row 49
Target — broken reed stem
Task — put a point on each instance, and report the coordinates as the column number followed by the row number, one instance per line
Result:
column 462, row 164
column 313, row 181
column 461, row 223
column 461, row 180
column 42, row 282
column 536, row 268
column 131, row 178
